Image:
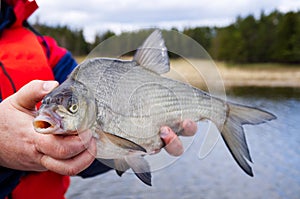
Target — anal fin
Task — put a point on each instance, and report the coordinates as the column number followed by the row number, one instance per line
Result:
column 121, row 166
column 140, row 167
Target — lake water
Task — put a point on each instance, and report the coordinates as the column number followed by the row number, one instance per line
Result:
column 274, row 146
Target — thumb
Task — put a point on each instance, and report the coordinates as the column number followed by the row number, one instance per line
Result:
column 32, row 93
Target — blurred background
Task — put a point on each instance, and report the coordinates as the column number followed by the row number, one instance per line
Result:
column 256, row 48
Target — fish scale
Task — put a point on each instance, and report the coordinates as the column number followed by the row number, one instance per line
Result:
column 146, row 121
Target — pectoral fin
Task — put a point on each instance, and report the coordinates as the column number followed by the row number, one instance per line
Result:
column 123, row 142
column 141, row 168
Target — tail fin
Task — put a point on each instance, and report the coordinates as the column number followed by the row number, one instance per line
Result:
column 233, row 132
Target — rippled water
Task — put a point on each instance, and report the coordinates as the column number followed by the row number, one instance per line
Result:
column 275, row 150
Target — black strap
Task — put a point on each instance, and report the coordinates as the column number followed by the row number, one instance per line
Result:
column 7, row 16
column 8, row 77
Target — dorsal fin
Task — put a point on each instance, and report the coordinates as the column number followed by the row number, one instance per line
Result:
column 153, row 54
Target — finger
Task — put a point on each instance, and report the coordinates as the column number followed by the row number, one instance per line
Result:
column 189, row 128
column 33, row 92
column 173, row 144
column 73, row 165
column 63, row 147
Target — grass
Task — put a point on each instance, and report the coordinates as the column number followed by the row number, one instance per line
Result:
column 261, row 74
column 260, row 65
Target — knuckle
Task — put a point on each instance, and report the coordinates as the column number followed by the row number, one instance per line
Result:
column 72, row 170
column 63, row 152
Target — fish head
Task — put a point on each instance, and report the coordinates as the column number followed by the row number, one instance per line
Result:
column 68, row 109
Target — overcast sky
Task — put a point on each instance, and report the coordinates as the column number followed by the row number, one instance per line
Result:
column 119, row 15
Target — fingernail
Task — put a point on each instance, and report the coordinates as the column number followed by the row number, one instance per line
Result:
column 49, row 85
column 164, row 132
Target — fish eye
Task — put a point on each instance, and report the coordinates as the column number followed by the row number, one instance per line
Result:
column 72, row 105
column 73, row 108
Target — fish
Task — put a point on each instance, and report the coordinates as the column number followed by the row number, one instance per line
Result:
column 126, row 102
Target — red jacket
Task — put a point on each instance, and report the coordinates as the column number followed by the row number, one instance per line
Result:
column 25, row 56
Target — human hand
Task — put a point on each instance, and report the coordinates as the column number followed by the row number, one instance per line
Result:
column 24, row 149
column 173, row 144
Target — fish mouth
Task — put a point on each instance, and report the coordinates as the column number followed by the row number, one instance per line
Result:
column 48, row 122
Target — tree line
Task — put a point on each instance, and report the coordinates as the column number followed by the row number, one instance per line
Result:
column 270, row 38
